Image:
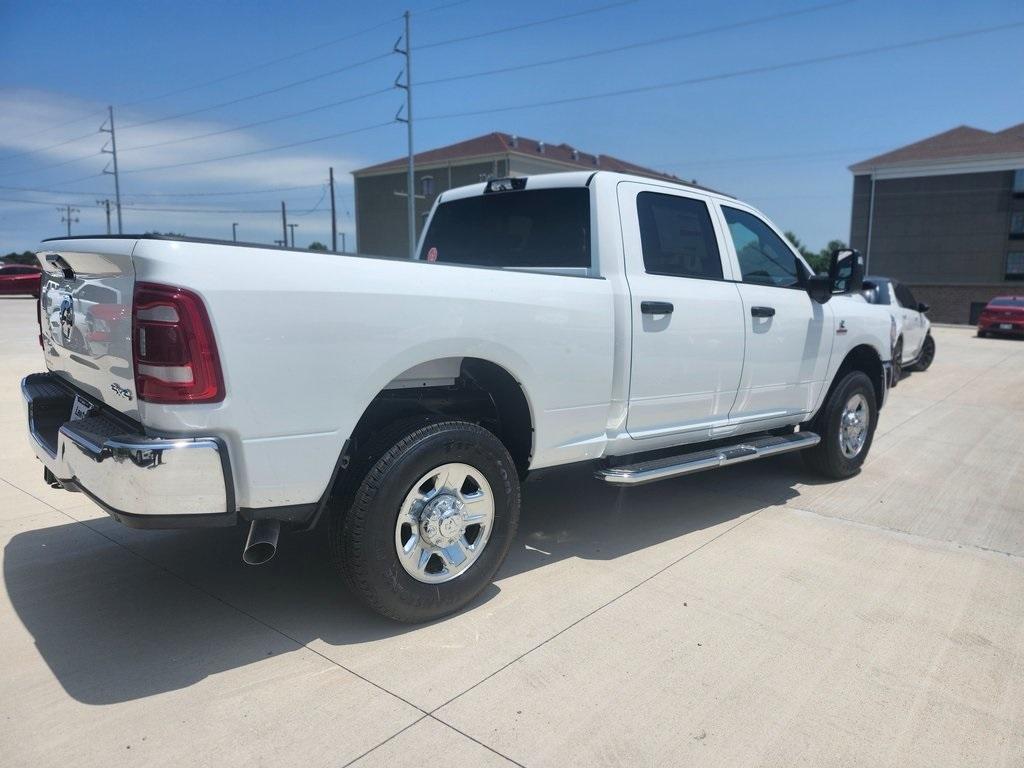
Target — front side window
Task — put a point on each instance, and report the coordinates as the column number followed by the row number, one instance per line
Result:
column 677, row 236
column 1015, row 265
column 543, row 228
column 764, row 258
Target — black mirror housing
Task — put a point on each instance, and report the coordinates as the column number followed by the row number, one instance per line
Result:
column 922, row 307
column 819, row 288
column 846, row 270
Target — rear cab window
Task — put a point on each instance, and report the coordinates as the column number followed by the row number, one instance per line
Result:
column 545, row 230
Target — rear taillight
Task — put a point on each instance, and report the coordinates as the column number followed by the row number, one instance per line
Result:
column 173, row 348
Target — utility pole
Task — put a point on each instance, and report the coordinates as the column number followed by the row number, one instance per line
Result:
column 292, row 227
column 410, row 175
column 113, row 153
column 106, row 204
column 284, row 223
column 343, row 249
column 67, row 217
column 334, row 218
column 234, row 232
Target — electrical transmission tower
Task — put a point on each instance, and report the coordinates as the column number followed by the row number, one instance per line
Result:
column 67, row 216
column 113, row 153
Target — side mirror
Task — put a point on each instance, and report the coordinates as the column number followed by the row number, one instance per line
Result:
column 922, row 307
column 846, row 270
column 819, row 288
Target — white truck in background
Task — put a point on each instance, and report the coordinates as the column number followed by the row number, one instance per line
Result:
column 654, row 329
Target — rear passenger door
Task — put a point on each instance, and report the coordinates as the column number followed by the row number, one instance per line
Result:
column 788, row 336
column 687, row 322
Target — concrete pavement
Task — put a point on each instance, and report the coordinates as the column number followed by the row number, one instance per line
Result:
column 751, row 616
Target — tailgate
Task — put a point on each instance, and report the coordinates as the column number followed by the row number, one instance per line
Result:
column 85, row 306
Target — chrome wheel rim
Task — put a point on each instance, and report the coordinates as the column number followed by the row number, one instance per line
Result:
column 444, row 523
column 853, row 426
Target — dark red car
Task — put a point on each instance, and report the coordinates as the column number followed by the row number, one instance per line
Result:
column 20, row 280
column 1004, row 314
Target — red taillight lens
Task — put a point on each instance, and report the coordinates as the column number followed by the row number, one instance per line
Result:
column 174, row 352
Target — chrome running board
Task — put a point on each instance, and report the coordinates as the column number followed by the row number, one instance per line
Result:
column 698, row 461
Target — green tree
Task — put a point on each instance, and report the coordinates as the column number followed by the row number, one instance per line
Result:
column 819, row 261
column 316, row 245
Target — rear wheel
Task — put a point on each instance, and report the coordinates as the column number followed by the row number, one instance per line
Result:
column 430, row 523
column 927, row 355
column 846, row 424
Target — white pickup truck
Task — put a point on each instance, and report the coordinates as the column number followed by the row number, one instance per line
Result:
column 651, row 328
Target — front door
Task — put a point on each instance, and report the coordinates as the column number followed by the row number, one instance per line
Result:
column 687, row 322
column 788, row 335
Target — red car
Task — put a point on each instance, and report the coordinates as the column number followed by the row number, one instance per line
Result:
column 20, row 280
column 1004, row 314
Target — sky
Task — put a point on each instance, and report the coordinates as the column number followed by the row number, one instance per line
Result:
column 769, row 101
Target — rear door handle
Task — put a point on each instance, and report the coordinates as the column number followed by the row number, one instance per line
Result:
column 656, row 307
column 762, row 311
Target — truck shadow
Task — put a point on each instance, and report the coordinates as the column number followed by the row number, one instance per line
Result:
column 119, row 615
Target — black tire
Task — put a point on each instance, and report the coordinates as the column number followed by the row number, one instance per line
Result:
column 827, row 458
column 363, row 524
column 897, row 360
column 982, row 334
column 927, row 356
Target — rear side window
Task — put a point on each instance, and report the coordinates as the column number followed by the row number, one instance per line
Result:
column 677, row 236
column 1007, row 302
column 763, row 257
column 18, row 271
column 543, row 228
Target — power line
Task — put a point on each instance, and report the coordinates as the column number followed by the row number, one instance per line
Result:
column 733, row 74
column 90, row 115
column 267, row 92
column 641, row 44
column 263, row 65
column 262, row 151
column 47, row 148
column 526, row 25
column 288, row 116
column 229, row 193
column 157, row 209
column 51, row 165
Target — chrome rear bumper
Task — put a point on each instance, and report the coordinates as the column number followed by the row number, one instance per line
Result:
column 140, row 480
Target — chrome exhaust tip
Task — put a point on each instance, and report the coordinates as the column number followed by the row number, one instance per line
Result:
column 261, row 545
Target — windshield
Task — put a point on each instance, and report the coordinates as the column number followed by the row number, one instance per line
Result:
column 1009, row 301
column 544, row 228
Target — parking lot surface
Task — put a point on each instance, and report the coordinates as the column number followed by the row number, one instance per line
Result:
column 750, row 616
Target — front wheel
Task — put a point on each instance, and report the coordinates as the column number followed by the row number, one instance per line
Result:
column 846, row 424
column 430, row 523
column 927, row 355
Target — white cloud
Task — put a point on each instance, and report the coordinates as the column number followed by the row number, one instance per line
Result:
column 27, row 120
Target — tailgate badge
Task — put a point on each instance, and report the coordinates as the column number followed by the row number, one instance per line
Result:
column 67, row 317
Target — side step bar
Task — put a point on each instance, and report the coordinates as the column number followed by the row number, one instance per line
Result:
column 698, row 461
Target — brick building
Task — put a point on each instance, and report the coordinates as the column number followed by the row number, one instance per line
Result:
column 380, row 190
column 946, row 216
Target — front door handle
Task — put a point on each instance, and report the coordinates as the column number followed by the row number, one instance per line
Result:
column 656, row 307
column 762, row 311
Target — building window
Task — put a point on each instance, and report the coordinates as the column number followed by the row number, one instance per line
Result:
column 427, row 186
column 1018, row 181
column 1015, row 265
column 1017, row 224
